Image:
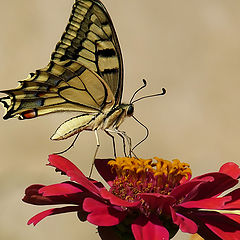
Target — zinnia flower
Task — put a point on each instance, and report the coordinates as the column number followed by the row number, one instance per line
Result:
column 146, row 200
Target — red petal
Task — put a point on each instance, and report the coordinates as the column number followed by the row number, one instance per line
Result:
column 116, row 200
column 231, row 169
column 211, row 203
column 32, row 196
column 234, row 217
column 37, row 218
column 72, row 171
column 62, row 193
column 105, row 170
column 157, row 200
column 101, row 214
column 181, row 191
column 149, row 229
column 33, row 189
column 219, row 184
column 223, row 234
column 59, row 189
column 235, row 201
column 212, row 224
column 184, row 223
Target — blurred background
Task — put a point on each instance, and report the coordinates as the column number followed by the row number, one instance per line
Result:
column 192, row 48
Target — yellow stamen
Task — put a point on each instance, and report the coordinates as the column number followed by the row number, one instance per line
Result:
column 134, row 167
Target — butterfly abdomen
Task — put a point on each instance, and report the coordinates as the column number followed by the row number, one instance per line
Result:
column 73, row 126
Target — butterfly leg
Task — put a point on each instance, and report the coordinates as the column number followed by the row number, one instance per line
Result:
column 129, row 141
column 124, row 136
column 95, row 154
column 107, row 131
column 120, row 134
column 72, row 144
column 114, row 145
column 124, row 143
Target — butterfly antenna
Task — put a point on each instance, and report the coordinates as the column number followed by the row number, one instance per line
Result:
column 72, row 144
column 147, row 133
column 143, row 86
column 153, row 95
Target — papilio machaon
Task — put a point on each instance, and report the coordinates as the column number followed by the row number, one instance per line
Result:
column 85, row 75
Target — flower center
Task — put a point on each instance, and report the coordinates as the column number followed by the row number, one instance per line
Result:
column 136, row 176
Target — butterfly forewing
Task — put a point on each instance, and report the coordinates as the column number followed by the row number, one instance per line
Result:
column 90, row 39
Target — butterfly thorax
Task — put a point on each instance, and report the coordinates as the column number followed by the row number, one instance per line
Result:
column 116, row 115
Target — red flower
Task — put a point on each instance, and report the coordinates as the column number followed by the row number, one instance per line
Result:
column 146, row 199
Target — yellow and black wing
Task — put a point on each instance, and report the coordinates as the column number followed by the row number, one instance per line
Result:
column 62, row 86
column 90, row 39
column 85, row 73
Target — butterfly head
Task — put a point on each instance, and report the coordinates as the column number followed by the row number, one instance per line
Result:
column 129, row 109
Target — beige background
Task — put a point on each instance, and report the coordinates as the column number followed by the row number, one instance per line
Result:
column 192, row 48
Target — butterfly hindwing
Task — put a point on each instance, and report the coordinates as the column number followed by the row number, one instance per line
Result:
column 90, row 39
column 63, row 86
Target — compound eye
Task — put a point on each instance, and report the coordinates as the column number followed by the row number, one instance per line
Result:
column 130, row 110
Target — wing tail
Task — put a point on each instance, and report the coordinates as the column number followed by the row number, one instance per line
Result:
column 6, row 101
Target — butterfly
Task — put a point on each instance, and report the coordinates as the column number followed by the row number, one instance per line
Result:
column 85, row 75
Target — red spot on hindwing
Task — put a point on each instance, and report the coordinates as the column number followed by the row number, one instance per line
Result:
column 40, row 94
column 29, row 114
